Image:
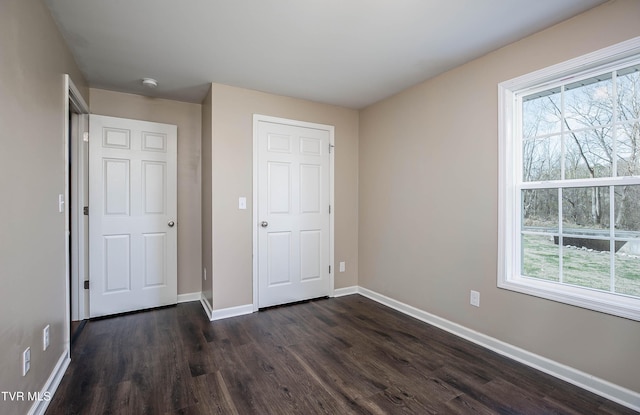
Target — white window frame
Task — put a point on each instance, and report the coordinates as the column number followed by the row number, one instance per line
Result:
column 509, row 131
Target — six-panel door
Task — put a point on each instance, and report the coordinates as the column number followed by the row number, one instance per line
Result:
column 133, row 209
column 293, row 209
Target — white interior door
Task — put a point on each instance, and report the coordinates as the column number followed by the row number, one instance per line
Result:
column 293, row 212
column 132, row 215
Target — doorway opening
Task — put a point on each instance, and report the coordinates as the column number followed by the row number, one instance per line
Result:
column 76, row 192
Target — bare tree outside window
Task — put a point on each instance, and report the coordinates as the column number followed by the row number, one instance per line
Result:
column 583, row 234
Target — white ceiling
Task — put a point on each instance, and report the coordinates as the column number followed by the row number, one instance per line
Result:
column 344, row 52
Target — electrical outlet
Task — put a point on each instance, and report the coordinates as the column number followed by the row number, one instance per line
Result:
column 26, row 361
column 342, row 266
column 475, row 298
column 45, row 338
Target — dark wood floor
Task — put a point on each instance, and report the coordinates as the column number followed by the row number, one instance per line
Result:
column 336, row 356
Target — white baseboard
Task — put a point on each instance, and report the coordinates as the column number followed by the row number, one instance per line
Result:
column 188, row 297
column 39, row 407
column 224, row 312
column 341, row 292
column 248, row 308
column 611, row 391
column 231, row 312
column 206, row 306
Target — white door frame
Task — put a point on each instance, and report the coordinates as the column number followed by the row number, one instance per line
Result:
column 74, row 103
column 331, row 129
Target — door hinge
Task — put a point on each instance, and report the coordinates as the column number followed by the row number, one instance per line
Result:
column 331, row 146
column 86, row 285
column 329, row 269
column 85, row 137
column 85, row 210
column 329, row 208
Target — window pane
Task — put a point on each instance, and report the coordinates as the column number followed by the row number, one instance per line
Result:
column 586, row 267
column 627, row 211
column 540, row 257
column 541, row 159
column 585, row 211
column 541, row 113
column 629, row 93
column 540, row 210
column 628, row 149
column 570, row 171
column 588, row 154
column 589, row 103
column 628, row 269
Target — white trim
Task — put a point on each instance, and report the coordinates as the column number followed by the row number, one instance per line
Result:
column 77, row 101
column 207, row 307
column 254, row 231
column 223, row 313
column 509, row 171
column 67, row 221
column 188, row 297
column 611, row 391
column 51, row 385
column 77, row 295
column 79, row 222
column 332, row 213
column 331, row 129
column 341, row 292
column 574, row 68
column 73, row 102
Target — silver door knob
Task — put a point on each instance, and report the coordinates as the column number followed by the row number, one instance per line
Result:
column 171, row 223
column 264, row 223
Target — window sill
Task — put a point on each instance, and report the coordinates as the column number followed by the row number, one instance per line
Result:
column 614, row 304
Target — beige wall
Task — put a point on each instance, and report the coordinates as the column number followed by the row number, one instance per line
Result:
column 207, row 200
column 232, row 166
column 429, row 203
column 187, row 117
column 33, row 59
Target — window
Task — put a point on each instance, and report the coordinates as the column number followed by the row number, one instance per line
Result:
column 570, row 182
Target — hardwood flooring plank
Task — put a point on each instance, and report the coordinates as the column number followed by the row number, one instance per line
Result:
column 344, row 403
column 463, row 404
column 338, row 372
column 212, row 395
column 304, row 325
column 289, row 388
column 235, row 331
column 395, row 400
column 564, row 409
column 610, row 408
column 519, row 400
column 346, row 355
column 171, row 384
column 274, row 328
column 471, row 386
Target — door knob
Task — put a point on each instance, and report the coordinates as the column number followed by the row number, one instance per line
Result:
column 264, row 223
column 171, row 223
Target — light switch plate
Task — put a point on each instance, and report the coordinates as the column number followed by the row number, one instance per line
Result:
column 242, row 203
column 61, row 203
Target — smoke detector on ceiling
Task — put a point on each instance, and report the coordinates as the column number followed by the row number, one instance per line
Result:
column 149, row 83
